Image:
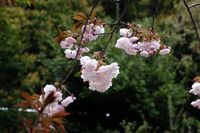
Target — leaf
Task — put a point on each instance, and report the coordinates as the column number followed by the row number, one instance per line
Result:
column 50, row 98
column 80, row 16
column 26, row 95
column 76, row 26
column 93, row 15
column 23, row 104
column 35, row 97
column 57, row 122
column 197, row 79
column 61, row 114
column 61, row 35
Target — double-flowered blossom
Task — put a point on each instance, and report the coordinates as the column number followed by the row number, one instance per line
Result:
column 71, row 48
column 196, row 91
column 132, row 44
column 195, row 88
column 57, row 104
column 99, row 77
column 92, row 32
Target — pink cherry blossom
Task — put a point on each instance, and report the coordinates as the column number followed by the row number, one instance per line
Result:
column 68, row 100
column 133, row 45
column 101, row 79
column 68, row 43
column 125, row 44
column 57, row 104
column 92, row 32
column 70, row 54
column 144, row 54
column 99, row 29
column 125, row 32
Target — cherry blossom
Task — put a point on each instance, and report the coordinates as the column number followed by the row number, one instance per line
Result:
column 196, row 103
column 133, row 45
column 68, row 100
column 125, row 32
column 100, row 79
column 57, row 104
column 92, row 32
column 195, row 89
column 68, row 43
column 164, row 51
column 125, row 44
column 72, row 53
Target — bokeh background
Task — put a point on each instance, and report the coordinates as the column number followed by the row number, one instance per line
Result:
column 149, row 95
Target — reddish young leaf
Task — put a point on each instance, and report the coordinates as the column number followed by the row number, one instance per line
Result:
column 26, row 95
column 58, row 124
column 35, row 97
column 23, row 104
column 61, row 114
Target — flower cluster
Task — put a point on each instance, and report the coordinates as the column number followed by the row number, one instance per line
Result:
column 92, row 31
column 99, row 77
column 133, row 42
column 71, row 48
column 57, row 104
column 196, row 91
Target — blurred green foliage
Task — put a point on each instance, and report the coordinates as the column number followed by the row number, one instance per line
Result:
column 149, row 95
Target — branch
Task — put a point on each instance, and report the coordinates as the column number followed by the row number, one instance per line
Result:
column 79, row 45
column 191, row 17
column 116, row 25
column 193, row 5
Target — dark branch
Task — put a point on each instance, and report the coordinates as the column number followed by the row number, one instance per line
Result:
column 191, row 17
column 193, row 5
column 116, row 25
column 79, row 46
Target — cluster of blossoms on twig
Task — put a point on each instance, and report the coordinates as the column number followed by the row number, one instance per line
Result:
column 135, row 39
column 94, row 70
column 196, row 91
column 99, row 76
column 71, row 41
column 50, row 106
column 57, row 104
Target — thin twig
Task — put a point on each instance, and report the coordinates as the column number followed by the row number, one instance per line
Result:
column 124, row 23
column 116, row 25
column 79, row 45
column 64, row 88
column 193, row 5
column 193, row 21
